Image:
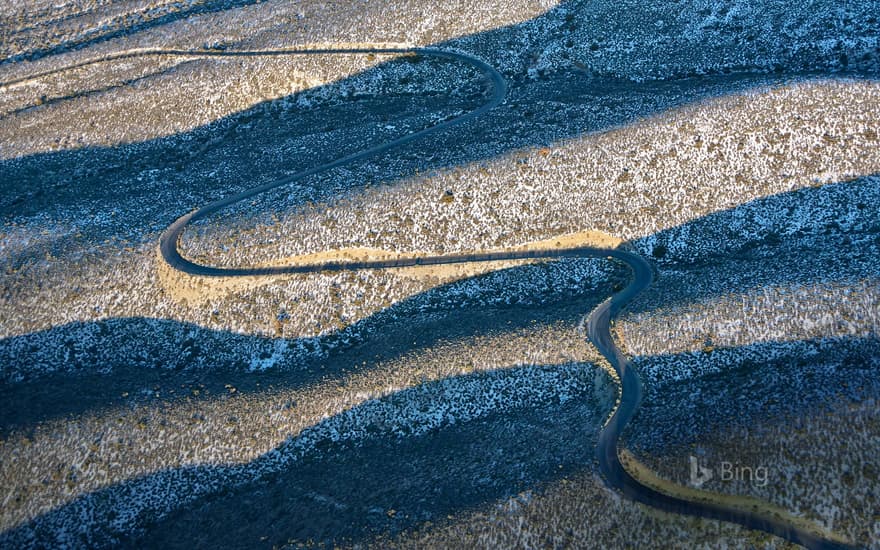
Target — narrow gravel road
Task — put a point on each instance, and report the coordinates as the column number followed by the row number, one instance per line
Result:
column 599, row 323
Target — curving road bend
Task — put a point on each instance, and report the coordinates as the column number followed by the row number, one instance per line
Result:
column 598, row 324
column 599, row 332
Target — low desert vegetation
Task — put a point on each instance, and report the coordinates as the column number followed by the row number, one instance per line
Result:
column 734, row 146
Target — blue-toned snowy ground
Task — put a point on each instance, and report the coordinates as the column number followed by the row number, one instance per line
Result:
column 736, row 145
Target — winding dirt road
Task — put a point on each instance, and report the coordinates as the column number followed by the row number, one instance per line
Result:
column 598, row 325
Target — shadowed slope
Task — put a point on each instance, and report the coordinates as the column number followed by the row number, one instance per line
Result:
column 353, row 158
column 344, row 490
